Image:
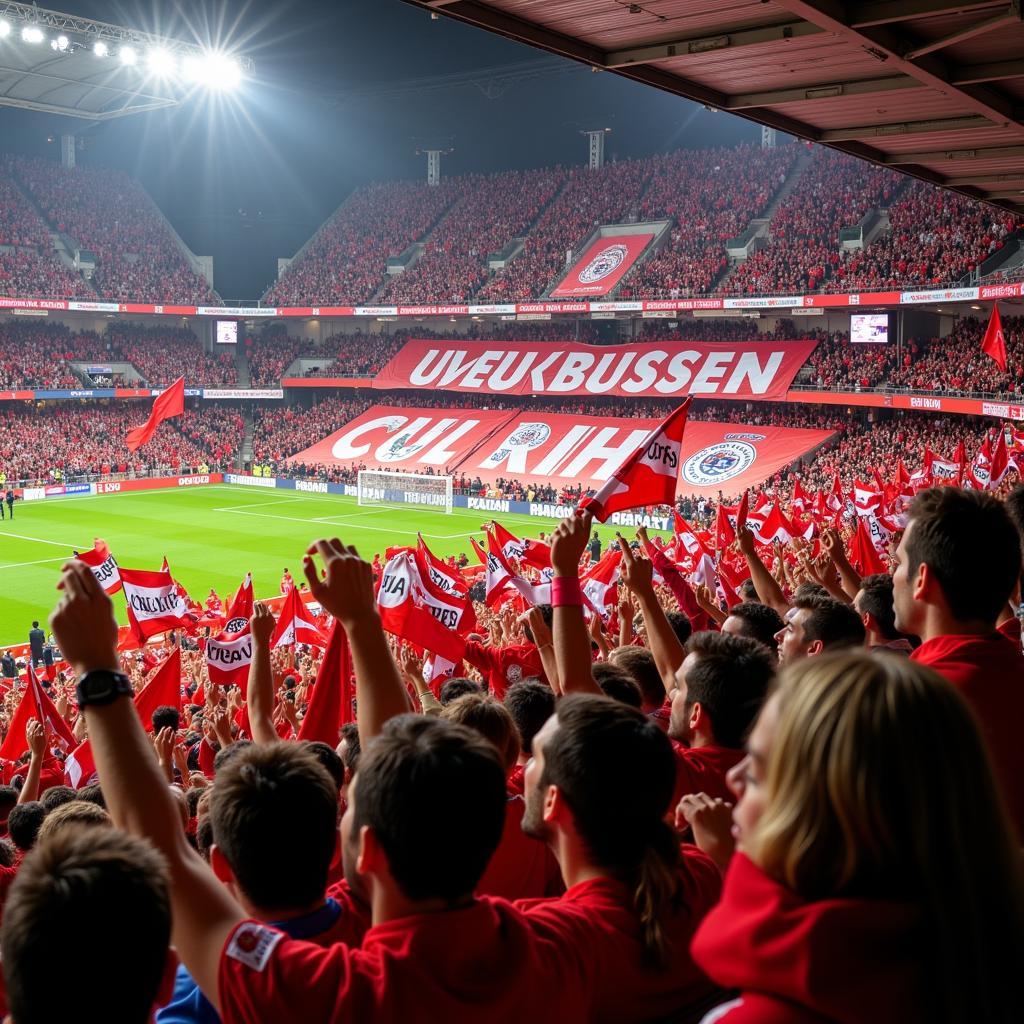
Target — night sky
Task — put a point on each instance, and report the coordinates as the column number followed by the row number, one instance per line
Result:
column 249, row 179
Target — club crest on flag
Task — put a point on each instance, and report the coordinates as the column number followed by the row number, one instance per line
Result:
column 719, row 462
column 606, row 262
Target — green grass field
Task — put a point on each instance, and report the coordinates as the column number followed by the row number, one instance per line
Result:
column 211, row 536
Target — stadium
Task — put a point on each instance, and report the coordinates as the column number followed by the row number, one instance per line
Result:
column 600, row 424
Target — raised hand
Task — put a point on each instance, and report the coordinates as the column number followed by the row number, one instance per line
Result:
column 568, row 543
column 262, row 624
column 35, row 733
column 345, row 585
column 636, row 571
column 711, row 821
column 83, row 621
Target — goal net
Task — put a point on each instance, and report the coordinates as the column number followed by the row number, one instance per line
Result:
column 380, row 487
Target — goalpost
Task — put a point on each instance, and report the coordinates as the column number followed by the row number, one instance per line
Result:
column 383, row 487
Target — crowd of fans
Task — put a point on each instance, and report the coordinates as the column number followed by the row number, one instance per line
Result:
column 711, row 196
column 64, row 441
column 110, row 215
column 162, row 354
column 834, row 191
column 345, row 261
column 495, row 209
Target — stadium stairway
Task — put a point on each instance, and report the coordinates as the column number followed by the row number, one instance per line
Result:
column 245, row 449
column 242, row 366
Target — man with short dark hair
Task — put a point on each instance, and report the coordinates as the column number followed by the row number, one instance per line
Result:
column 873, row 603
column 8, row 666
column 956, row 566
column 816, row 624
column 117, row 887
column 617, row 683
column 754, row 620
column 165, row 717
column 530, row 704
column 640, row 664
column 24, row 822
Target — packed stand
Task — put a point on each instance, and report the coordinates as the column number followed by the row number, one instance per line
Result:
column 65, row 441
column 279, row 433
column 711, row 196
column 162, row 354
column 346, row 259
column 608, row 195
column 834, row 191
column 36, row 355
column 937, row 237
column 109, row 214
column 957, row 364
column 495, row 209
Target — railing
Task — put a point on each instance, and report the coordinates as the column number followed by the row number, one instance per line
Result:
column 883, row 389
column 158, row 470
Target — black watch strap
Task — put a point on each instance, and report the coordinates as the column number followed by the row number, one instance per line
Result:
column 103, row 686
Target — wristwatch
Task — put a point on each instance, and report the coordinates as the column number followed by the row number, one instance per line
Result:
column 101, row 686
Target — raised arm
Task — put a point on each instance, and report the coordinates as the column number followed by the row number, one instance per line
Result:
column 638, row 575
column 35, row 733
column 345, row 589
column 545, row 647
column 849, row 578
column 136, row 793
column 569, row 632
column 768, row 590
column 261, row 676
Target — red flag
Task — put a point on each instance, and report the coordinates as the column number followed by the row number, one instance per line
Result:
column 537, row 554
column 330, row 706
column 407, row 609
column 228, row 658
column 724, row 533
column 163, row 689
column 432, row 569
column 239, row 609
column 511, row 546
column 863, row 556
column 775, row 527
column 169, row 403
column 34, row 704
column 994, row 342
column 743, row 511
column 1000, row 461
column 499, row 574
column 599, row 582
column 648, row 476
column 296, row 624
column 155, row 604
column 103, row 566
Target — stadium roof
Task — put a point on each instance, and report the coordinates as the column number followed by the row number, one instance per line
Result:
column 78, row 67
column 933, row 88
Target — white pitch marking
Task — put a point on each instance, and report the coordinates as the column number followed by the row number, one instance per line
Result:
column 38, row 561
column 40, row 540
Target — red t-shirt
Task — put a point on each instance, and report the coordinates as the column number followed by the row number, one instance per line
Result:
column 516, row 780
column 989, row 672
column 479, row 963
column 505, row 666
column 703, row 770
column 521, row 868
column 597, row 917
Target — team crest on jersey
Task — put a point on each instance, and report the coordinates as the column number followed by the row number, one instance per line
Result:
column 606, row 262
column 252, row 945
column 718, row 462
column 514, row 673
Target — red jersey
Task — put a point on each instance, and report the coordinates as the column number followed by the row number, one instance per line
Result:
column 287, row 583
column 505, row 666
column 703, row 770
column 597, row 917
column 800, row 963
column 481, row 962
column 989, row 672
column 516, row 780
column 521, row 867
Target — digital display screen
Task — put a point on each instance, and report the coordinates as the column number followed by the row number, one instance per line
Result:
column 227, row 332
column 869, row 328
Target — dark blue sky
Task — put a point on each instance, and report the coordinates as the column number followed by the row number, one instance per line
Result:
column 320, row 120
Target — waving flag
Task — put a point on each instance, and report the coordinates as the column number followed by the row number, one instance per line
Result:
column 103, row 566
column 35, row 703
column 442, row 576
column 228, row 659
column 511, row 546
column 239, row 609
column 296, row 624
column 169, row 403
column 649, row 475
column 155, row 604
column 994, row 342
column 330, row 706
column 408, row 610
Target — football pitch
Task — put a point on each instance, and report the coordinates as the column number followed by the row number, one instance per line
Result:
column 212, row 536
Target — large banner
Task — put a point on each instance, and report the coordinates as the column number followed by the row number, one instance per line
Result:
column 413, row 440
column 548, row 448
column 602, row 266
column 745, row 369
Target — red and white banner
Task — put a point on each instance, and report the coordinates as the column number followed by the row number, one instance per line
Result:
column 552, row 448
column 416, row 440
column 103, row 566
column 228, row 661
column 154, row 602
column 602, row 266
column 743, row 369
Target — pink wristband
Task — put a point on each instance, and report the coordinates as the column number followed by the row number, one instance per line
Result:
column 566, row 592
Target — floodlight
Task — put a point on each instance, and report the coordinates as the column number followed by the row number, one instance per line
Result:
column 5, row 29
column 61, row 43
column 100, row 48
column 223, row 72
column 161, row 62
column 32, row 34
column 192, row 70
column 128, row 55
